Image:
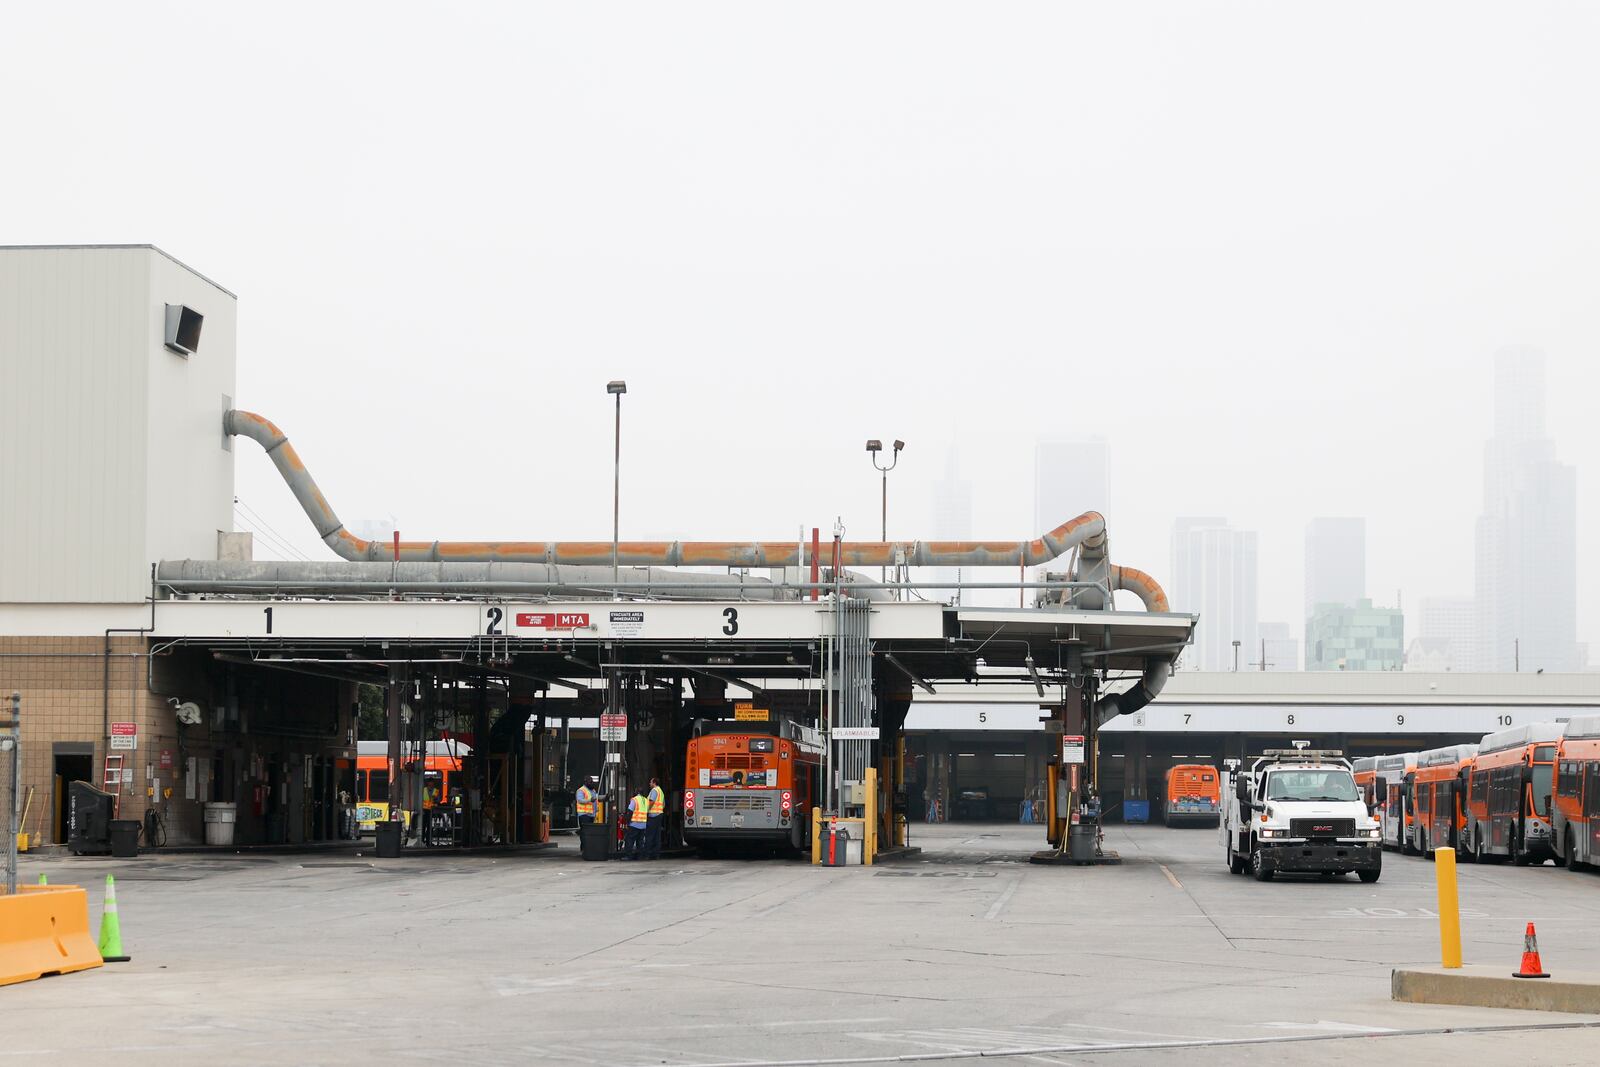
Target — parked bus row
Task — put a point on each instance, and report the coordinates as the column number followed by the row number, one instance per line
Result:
column 1526, row 794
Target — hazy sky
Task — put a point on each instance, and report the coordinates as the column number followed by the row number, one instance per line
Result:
column 1266, row 249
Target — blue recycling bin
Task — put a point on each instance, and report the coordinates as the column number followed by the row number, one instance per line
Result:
column 1136, row 811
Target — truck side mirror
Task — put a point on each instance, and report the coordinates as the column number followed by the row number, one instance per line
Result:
column 1241, row 788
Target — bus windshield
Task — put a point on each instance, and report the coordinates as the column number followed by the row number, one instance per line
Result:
column 1311, row 785
column 1541, row 787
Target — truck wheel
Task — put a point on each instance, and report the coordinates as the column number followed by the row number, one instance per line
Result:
column 1258, row 866
column 1235, row 861
column 1368, row 877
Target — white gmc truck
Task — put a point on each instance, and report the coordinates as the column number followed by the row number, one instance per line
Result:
column 1298, row 810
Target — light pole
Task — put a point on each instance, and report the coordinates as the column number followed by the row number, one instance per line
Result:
column 874, row 447
column 1236, row 654
column 616, row 389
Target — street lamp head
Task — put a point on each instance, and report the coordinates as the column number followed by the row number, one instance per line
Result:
column 898, row 445
column 616, row 387
column 874, row 445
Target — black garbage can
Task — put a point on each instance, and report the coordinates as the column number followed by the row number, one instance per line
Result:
column 88, row 819
column 593, row 843
column 124, row 838
column 388, row 838
column 1080, row 843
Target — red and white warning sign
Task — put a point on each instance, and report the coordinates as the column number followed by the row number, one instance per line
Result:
column 1072, row 749
column 613, row 726
column 124, row 735
column 553, row 620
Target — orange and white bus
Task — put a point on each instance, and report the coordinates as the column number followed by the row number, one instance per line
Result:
column 1508, row 794
column 1439, row 795
column 1577, row 794
column 1385, row 783
column 744, row 788
column 443, row 763
column 1194, row 795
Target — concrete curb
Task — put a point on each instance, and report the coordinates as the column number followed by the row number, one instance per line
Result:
column 1493, row 987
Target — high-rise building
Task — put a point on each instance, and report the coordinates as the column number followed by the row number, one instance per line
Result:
column 1069, row 477
column 1277, row 649
column 1446, row 627
column 1215, row 575
column 1358, row 638
column 1336, row 562
column 1527, row 536
column 952, row 518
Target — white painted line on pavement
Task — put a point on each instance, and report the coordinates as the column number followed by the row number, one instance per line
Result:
column 994, row 909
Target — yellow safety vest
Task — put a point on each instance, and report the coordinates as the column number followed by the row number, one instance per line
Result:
column 658, row 801
column 638, row 811
column 585, row 800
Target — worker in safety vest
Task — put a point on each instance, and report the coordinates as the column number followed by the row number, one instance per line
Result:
column 657, row 812
column 638, row 820
column 586, row 797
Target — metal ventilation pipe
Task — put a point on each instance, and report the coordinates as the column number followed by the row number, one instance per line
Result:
column 1087, row 533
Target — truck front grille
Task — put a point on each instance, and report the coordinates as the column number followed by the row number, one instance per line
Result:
column 1314, row 828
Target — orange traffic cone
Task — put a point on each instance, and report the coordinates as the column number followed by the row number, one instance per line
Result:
column 1531, row 967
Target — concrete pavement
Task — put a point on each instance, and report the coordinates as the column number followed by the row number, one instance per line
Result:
column 965, row 949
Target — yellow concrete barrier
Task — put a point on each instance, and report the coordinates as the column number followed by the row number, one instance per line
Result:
column 44, row 929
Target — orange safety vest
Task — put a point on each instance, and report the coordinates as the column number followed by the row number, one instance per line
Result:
column 638, row 812
column 658, row 800
column 585, row 800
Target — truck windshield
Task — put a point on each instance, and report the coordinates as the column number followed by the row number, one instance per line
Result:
column 1311, row 785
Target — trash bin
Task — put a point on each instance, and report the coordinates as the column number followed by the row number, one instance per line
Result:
column 88, row 819
column 124, row 838
column 836, row 848
column 592, row 841
column 388, row 838
column 1136, row 811
column 219, row 823
column 1080, row 842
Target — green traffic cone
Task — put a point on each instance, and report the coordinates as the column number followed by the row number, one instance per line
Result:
column 111, row 927
column 42, row 879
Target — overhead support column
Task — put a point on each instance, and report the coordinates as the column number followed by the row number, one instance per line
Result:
column 396, row 682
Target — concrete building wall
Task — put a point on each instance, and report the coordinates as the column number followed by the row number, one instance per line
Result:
column 110, row 445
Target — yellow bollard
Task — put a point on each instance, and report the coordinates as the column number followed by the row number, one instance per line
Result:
column 816, row 836
column 869, row 844
column 1444, row 867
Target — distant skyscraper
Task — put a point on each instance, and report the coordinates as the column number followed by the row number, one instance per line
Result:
column 1336, row 562
column 1358, row 638
column 1527, row 536
column 1446, row 626
column 1276, row 647
column 1070, row 477
column 952, row 517
column 1214, row 574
